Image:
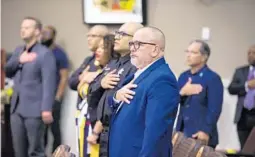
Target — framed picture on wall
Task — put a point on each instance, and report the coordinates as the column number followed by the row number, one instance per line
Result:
column 114, row 11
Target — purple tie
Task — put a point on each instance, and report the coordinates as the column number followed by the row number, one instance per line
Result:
column 250, row 96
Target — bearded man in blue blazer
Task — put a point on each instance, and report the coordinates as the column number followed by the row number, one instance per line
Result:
column 146, row 105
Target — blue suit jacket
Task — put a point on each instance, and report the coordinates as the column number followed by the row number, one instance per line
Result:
column 201, row 112
column 143, row 128
column 34, row 82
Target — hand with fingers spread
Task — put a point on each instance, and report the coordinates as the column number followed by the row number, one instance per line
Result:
column 110, row 80
column 88, row 77
column 126, row 94
column 190, row 89
column 26, row 57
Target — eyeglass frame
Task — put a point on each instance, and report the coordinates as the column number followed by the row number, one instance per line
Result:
column 94, row 36
column 132, row 43
column 121, row 34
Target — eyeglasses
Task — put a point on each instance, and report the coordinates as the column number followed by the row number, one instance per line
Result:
column 136, row 44
column 192, row 52
column 121, row 34
column 94, row 36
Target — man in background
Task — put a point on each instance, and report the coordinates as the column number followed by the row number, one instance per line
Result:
column 201, row 92
column 243, row 85
column 33, row 68
column 48, row 38
column 95, row 34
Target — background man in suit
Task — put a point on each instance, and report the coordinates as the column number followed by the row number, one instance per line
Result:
column 94, row 36
column 48, row 38
column 33, row 68
column 143, row 122
column 201, row 92
column 243, row 85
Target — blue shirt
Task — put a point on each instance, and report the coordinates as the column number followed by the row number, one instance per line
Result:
column 61, row 61
column 200, row 112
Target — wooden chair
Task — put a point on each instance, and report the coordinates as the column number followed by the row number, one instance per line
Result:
column 62, row 151
column 216, row 154
column 204, row 151
column 177, row 138
column 197, row 147
column 185, row 148
column 249, row 146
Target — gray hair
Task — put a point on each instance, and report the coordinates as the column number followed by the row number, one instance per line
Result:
column 204, row 48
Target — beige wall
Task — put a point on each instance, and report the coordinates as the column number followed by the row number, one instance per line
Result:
column 231, row 21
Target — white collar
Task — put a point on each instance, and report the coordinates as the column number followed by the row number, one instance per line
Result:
column 140, row 71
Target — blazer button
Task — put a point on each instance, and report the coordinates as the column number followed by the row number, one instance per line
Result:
column 186, row 118
column 187, row 105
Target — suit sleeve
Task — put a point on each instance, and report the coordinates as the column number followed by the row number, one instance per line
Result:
column 13, row 65
column 161, row 109
column 49, row 76
column 237, row 86
column 181, row 83
column 74, row 79
column 214, row 102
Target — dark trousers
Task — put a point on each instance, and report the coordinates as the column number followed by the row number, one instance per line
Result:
column 55, row 126
column 245, row 125
column 27, row 136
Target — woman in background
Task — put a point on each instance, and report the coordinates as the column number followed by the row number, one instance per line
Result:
column 84, row 119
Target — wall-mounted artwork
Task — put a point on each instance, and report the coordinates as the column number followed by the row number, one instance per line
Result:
column 114, row 11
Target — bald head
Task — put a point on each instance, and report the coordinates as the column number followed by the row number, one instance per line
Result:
column 124, row 35
column 99, row 30
column 147, row 46
column 130, row 27
column 152, row 35
column 96, row 33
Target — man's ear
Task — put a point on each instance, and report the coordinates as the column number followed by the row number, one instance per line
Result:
column 155, row 52
column 205, row 58
column 37, row 32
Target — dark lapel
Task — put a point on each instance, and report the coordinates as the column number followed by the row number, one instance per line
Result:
column 154, row 66
column 35, row 48
column 246, row 71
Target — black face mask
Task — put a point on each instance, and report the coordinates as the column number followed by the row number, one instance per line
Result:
column 47, row 43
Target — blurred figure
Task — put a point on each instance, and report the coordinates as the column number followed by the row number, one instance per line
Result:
column 201, row 91
column 243, row 85
column 95, row 34
column 81, row 79
column 33, row 68
column 85, row 111
column 147, row 103
column 107, row 83
column 48, row 37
